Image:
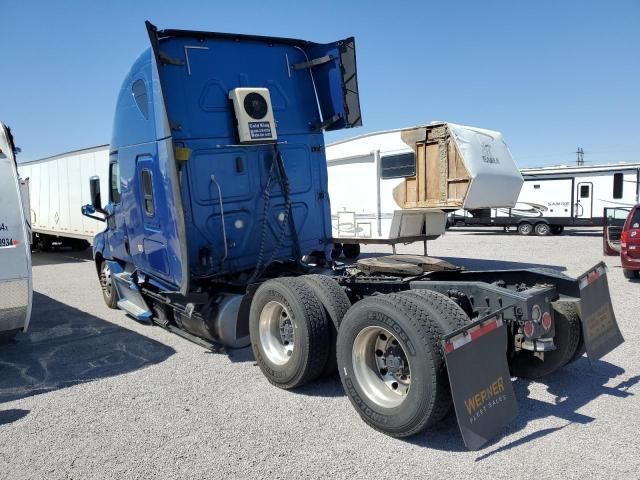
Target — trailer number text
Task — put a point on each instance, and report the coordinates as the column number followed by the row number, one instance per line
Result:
column 6, row 242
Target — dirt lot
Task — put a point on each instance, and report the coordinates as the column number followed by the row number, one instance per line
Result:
column 90, row 393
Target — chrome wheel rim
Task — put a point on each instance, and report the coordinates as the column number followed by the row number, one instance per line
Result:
column 526, row 228
column 381, row 367
column 543, row 229
column 105, row 280
column 277, row 335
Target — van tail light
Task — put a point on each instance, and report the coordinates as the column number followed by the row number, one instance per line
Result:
column 624, row 238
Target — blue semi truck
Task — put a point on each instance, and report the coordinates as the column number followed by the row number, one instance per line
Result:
column 218, row 228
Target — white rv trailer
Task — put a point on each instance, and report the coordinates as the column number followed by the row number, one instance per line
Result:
column 396, row 186
column 59, row 186
column 556, row 197
column 15, row 251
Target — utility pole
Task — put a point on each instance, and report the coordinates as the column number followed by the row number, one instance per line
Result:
column 580, row 157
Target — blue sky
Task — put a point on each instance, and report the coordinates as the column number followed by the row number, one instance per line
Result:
column 551, row 75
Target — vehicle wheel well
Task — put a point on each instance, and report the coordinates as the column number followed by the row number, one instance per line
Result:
column 98, row 262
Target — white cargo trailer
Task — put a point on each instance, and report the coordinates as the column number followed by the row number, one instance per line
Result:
column 15, row 252
column 59, row 186
column 556, row 197
column 397, row 186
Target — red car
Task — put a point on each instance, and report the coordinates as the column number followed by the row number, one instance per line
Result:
column 621, row 236
column 630, row 244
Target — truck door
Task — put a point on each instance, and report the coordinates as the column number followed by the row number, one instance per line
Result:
column 148, row 247
column 614, row 219
column 584, row 200
column 118, row 239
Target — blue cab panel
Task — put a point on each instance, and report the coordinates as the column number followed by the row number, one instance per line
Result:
column 187, row 201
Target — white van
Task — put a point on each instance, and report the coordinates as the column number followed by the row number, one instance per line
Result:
column 15, row 251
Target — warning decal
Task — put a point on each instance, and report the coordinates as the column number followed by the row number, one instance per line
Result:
column 260, row 130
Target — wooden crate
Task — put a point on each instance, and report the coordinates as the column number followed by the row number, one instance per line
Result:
column 441, row 179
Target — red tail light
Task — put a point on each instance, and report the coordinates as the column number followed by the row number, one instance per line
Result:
column 624, row 238
column 528, row 329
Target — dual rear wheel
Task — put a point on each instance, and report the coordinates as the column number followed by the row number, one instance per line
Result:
column 293, row 323
column 541, row 229
column 387, row 348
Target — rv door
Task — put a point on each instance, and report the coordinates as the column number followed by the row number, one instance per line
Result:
column 584, row 200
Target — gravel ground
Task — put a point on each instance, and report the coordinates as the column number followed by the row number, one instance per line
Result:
column 89, row 393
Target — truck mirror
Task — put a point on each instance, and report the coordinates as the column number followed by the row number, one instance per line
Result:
column 94, row 188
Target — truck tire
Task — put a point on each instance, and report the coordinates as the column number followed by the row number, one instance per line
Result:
column 449, row 315
column 542, row 229
column 44, row 243
column 109, row 292
column 336, row 251
column 525, row 228
column 351, row 250
column 79, row 245
column 336, row 303
column 567, row 339
column 629, row 274
column 581, row 349
column 289, row 332
column 391, row 365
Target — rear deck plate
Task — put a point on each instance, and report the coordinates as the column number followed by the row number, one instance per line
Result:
column 483, row 396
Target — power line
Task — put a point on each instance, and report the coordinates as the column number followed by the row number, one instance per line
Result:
column 589, row 152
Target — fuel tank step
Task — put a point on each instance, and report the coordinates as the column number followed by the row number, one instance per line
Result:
column 131, row 300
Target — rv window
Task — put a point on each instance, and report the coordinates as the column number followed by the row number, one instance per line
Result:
column 114, row 182
column 618, row 179
column 147, row 193
column 584, row 191
column 139, row 90
column 396, row 166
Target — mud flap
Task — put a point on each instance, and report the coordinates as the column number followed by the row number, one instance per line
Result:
column 483, row 396
column 599, row 326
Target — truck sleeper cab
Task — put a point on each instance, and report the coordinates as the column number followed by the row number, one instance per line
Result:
column 218, row 228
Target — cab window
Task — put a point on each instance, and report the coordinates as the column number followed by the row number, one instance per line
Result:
column 147, row 193
column 139, row 91
column 114, row 182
